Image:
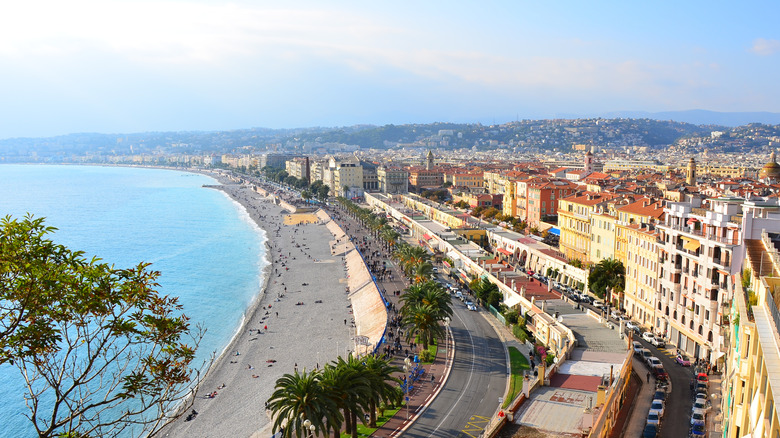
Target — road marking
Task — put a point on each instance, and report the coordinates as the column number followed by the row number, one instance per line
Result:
column 474, row 425
column 471, row 374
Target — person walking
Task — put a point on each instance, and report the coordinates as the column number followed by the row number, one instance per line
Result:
column 648, row 377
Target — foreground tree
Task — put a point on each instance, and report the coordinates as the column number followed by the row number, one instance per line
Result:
column 299, row 397
column 98, row 348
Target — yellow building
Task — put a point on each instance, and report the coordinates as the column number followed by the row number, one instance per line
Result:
column 643, row 211
column 751, row 384
column 574, row 214
column 602, row 241
column 642, row 272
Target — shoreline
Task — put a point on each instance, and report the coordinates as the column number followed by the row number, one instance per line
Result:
column 268, row 343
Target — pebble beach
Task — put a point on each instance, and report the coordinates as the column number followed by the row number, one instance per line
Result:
column 302, row 318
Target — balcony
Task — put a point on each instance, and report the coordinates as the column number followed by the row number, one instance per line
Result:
column 700, row 233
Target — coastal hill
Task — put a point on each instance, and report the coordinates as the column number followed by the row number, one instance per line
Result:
column 522, row 136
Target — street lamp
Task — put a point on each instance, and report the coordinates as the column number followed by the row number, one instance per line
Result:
column 407, row 368
column 308, row 428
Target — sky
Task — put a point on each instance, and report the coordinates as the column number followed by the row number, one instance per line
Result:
column 116, row 66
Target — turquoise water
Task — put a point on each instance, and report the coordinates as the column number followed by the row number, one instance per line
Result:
column 208, row 250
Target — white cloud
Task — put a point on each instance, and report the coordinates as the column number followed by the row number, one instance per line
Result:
column 765, row 47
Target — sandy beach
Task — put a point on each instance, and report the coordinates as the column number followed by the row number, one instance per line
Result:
column 303, row 318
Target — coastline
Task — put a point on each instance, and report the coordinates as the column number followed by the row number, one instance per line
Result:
column 266, row 346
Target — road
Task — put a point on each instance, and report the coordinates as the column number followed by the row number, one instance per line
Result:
column 677, row 412
column 478, row 378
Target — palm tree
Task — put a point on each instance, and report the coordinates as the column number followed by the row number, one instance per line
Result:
column 422, row 272
column 608, row 274
column 298, row 397
column 422, row 320
column 348, row 383
column 430, row 294
column 384, row 387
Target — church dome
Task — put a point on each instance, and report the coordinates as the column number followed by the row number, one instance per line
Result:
column 771, row 170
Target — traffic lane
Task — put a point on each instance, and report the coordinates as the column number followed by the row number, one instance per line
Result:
column 679, row 402
column 478, row 378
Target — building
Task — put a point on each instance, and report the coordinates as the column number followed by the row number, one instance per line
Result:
column 703, row 247
column 299, row 168
column 602, row 240
column 542, row 199
column 346, row 176
column 574, row 222
column 392, row 180
column 471, row 180
column 752, row 356
column 274, row 160
column 642, row 272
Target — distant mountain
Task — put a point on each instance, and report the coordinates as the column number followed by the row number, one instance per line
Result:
column 703, row 117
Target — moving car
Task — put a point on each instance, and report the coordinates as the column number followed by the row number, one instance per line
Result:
column 647, row 336
column 630, row 325
column 682, row 360
column 471, row 306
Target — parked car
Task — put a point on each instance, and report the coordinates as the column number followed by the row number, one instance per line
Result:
column 650, row 431
column 653, row 361
column 682, row 360
column 598, row 304
column 697, row 418
column 654, row 418
column 657, row 406
column 637, row 348
column 659, row 372
column 698, row 430
column 646, row 354
column 659, row 395
column 702, row 377
column 701, row 405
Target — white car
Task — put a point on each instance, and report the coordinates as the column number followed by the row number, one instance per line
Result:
column 471, row 307
column 653, row 361
column 630, row 325
column 647, row 336
column 658, row 407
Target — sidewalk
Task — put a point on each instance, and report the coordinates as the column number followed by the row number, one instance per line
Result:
column 424, row 390
column 637, row 413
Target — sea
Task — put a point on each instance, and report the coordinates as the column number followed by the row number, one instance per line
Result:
column 209, row 252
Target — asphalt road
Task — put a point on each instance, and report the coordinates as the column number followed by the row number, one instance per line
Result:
column 478, row 378
column 679, row 401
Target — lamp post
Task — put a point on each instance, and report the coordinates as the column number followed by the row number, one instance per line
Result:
column 308, row 428
column 407, row 368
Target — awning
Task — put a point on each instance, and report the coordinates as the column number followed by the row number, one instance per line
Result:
column 691, row 244
column 554, row 231
column 512, row 299
column 504, row 252
column 427, row 237
column 692, row 220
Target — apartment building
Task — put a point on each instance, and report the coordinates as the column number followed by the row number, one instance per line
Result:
column 346, row 176
column 574, row 213
column 298, row 167
column 702, row 252
column 642, row 273
column 602, row 240
column 751, row 387
column 392, row 180
column 542, row 199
